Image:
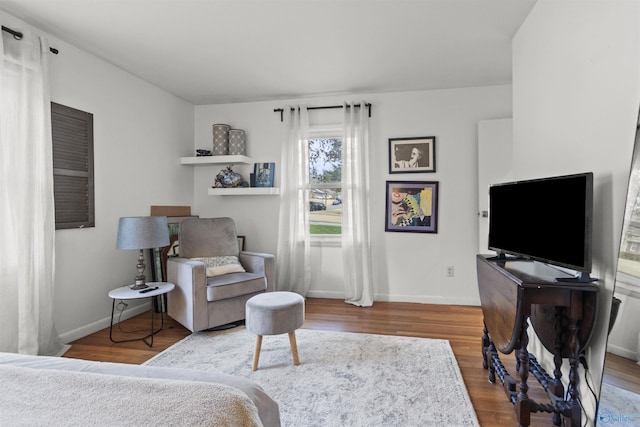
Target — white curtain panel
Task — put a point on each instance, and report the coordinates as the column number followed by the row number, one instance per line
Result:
column 27, row 227
column 356, row 238
column 293, row 256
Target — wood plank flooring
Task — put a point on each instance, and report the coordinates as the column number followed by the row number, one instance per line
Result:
column 461, row 325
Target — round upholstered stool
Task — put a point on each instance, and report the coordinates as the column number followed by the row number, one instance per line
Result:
column 275, row 313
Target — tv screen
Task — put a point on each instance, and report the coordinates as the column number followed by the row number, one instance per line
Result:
column 546, row 219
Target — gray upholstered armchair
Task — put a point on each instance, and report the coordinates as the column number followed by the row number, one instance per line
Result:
column 211, row 288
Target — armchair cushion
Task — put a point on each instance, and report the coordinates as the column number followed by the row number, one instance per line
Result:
column 234, row 285
column 219, row 265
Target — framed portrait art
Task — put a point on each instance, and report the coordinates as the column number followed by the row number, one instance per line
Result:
column 407, row 155
column 412, row 206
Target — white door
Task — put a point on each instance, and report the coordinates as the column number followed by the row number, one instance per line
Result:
column 495, row 164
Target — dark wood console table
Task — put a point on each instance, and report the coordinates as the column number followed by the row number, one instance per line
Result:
column 562, row 315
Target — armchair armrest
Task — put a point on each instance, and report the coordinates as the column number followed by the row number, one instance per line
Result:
column 260, row 263
column 187, row 303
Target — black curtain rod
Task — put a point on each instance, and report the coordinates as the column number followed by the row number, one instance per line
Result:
column 18, row 36
column 281, row 110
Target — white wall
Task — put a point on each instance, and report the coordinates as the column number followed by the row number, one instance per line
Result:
column 410, row 266
column 495, row 164
column 623, row 339
column 576, row 93
column 139, row 132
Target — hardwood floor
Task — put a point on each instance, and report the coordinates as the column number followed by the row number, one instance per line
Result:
column 461, row 325
column 622, row 372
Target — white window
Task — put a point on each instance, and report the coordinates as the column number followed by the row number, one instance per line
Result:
column 325, row 179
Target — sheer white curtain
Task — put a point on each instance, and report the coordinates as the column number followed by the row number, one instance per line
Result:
column 356, row 239
column 293, row 257
column 27, row 226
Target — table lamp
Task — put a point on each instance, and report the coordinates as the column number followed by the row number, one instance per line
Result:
column 142, row 232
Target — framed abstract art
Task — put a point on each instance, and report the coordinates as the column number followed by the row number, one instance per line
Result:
column 412, row 206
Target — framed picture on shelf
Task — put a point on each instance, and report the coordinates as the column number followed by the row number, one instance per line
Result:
column 264, row 174
column 410, row 155
column 411, row 206
column 241, row 240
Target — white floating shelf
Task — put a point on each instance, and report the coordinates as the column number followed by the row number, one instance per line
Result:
column 215, row 160
column 244, row 191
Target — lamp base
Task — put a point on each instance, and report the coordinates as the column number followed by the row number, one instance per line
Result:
column 140, row 278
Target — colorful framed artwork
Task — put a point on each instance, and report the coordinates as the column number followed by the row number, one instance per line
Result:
column 412, row 206
column 409, row 155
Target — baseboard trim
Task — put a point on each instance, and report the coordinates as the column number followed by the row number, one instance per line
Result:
column 101, row 324
column 421, row 299
column 426, row 299
column 620, row 351
column 325, row 294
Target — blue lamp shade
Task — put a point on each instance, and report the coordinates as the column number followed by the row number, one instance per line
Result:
column 143, row 232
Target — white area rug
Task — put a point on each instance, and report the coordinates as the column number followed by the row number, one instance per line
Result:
column 618, row 406
column 344, row 379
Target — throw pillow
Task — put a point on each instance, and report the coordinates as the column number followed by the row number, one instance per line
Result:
column 219, row 265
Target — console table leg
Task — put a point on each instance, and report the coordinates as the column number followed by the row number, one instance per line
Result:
column 523, row 405
column 557, row 388
column 485, row 346
column 576, row 412
column 492, row 368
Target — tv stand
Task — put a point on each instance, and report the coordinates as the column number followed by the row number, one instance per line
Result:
column 505, row 257
column 562, row 315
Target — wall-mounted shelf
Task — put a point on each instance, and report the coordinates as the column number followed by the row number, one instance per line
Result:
column 216, row 160
column 230, row 160
column 244, row 191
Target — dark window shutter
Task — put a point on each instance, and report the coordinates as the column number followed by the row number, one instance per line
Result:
column 72, row 134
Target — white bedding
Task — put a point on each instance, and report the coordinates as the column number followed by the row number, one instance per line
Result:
column 40, row 390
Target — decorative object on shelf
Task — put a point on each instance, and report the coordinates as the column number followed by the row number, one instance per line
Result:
column 408, row 155
column 264, row 174
column 143, row 232
column 412, row 206
column 201, row 153
column 220, row 139
column 237, row 145
column 227, row 178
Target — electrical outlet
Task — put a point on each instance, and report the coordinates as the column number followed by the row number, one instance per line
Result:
column 450, row 271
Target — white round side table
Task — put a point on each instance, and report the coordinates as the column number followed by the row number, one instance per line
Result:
column 126, row 293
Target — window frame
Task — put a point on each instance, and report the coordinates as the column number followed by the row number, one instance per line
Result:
column 332, row 131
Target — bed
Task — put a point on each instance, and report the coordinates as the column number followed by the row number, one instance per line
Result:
column 40, row 390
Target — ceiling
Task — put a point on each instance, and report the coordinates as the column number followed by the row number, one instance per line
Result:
column 223, row 51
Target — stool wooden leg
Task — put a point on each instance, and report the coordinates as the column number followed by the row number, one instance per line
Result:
column 256, row 354
column 294, row 347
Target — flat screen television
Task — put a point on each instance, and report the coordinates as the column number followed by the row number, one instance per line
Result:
column 546, row 219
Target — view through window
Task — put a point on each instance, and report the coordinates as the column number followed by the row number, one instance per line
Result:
column 629, row 261
column 325, row 178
